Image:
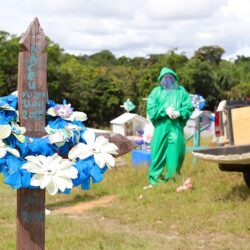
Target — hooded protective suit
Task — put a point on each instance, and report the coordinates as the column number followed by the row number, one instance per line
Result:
column 168, row 142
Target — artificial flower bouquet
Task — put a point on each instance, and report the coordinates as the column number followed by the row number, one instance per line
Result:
column 28, row 162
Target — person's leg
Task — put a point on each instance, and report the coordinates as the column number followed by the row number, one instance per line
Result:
column 182, row 152
column 158, row 154
column 172, row 161
column 155, row 170
column 175, row 155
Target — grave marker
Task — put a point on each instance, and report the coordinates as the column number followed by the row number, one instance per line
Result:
column 32, row 96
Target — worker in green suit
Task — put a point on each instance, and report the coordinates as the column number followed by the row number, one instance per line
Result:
column 169, row 107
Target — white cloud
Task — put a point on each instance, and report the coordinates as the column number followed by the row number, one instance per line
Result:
column 181, row 9
column 134, row 27
column 242, row 51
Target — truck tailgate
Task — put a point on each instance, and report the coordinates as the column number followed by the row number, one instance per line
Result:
column 239, row 154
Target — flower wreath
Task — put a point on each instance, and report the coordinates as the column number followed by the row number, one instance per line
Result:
column 198, row 101
column 28, row 162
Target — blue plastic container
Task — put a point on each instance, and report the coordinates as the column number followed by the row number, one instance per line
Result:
column 140, row 157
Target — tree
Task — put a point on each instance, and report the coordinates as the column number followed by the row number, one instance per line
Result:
column 98, row 84
column 243, row 59
column 241, row 91
column 226, row 77
column 9, row 49
column 211, row 54
column 199, row 78
column 56, row 77
column 103, row 58
column 173, row 60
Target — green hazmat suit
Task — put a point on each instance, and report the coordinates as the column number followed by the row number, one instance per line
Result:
column 168, row 142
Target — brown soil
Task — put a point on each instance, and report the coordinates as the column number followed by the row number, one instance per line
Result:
column 84, row 206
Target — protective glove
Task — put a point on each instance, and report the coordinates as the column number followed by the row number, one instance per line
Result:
column 169, row 111
column 175, row 114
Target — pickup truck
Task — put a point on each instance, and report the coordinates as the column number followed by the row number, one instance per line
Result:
column 232, row 129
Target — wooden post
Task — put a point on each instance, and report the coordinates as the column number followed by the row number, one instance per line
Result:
column 32, row 95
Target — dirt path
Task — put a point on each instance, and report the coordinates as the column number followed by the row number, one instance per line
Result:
column 84, row 206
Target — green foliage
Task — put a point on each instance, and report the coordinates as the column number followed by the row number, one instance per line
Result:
column 226, row 75
column 173, row 60
column 199, row 78
column 98, row 84
column 103, row 58
column 241, row 91
column 8, row 62
column 211, row 54
column 242, row 59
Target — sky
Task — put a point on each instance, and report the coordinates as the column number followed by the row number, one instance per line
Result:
column 135, row 27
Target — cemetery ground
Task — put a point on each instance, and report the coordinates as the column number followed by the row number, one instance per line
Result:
column 118, row 214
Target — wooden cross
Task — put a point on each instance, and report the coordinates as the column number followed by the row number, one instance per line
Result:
column 32, row 96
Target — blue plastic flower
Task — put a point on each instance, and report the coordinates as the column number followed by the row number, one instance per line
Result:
column 87, row 171
column 15, row 176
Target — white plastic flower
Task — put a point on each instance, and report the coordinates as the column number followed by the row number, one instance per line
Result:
column 99, row 147
column 60, row 136
column 52, row 172
column 5, row 148
column 65, row 112
column 6, row 130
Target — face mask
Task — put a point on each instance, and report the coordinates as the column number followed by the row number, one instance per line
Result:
column 168, row 81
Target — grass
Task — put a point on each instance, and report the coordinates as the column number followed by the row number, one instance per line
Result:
column 214, row 215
